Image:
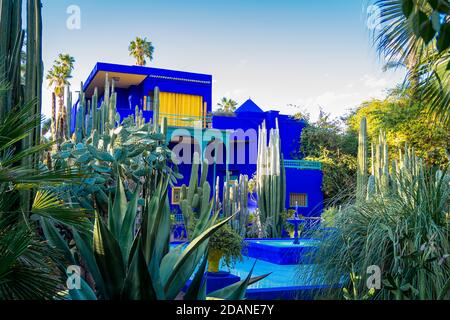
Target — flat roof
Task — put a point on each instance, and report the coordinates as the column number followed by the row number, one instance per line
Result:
column 126, row 76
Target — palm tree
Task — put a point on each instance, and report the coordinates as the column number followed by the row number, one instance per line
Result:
column 141, row 49
column 58, row 77
column 407, row 37
column 227, row 105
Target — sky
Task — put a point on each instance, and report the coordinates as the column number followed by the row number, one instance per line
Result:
column 287, row 55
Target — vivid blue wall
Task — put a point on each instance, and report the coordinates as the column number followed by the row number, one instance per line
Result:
column 248, row 116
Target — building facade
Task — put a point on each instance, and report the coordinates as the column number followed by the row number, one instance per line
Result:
column 228, row 141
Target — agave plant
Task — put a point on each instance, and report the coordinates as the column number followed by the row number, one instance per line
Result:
column 129, row 257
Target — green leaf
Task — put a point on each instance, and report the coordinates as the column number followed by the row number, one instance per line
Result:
column 48, row 205
column 237, row 290
column 119, row 208
column 423, row 26
column 445, row 290
column 187, row 261
column 138, row 283
column 85, row 247
column 443, row 40
column 56, row 241
column 83, row 294
column 442, row 6
column 407, row 7
column 196, row 290
column 127, row 231
column 109, row 259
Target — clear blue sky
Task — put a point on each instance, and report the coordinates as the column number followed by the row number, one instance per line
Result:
column 301, row 52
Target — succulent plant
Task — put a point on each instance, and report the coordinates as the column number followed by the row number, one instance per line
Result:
column 235, row 202
column 195, row 200
column 271, row 184
column 361, row 183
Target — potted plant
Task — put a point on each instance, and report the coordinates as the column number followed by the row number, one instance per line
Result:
column 226, row 244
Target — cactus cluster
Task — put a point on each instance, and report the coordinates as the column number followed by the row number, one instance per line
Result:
column 271, row 181
column 101, row 143
column 28, row 90
column 387, row 176
column 195, row 200
column 361, row 178
column 235, row 202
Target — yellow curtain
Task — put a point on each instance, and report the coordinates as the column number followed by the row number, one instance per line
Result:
column 181, row 109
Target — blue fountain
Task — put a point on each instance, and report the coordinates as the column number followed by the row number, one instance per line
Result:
column 295, row 222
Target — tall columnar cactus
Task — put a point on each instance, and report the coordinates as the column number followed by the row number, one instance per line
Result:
column 271, row 181
column 195, row 201
column 11, row 44
column 235, row 202
column 361, row 182
column 11, row 48
column 156, row 110
column 34, row 65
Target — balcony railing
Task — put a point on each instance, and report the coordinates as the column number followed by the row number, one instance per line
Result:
column 303, row 164
column 178, row 120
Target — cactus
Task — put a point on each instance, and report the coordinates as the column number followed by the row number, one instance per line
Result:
column 156, row 109
column 11, row 46
column 101, row 142
column 195, row 201
column 235, row 202
column 34, row 68
column 271, row 184
column 11, row 43
column 361, row 182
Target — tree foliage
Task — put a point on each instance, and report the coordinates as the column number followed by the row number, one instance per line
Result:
column 405, row 122
column 140, row 49
column 330, row 142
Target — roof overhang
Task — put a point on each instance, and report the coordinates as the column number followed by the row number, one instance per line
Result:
column 121, row 80
column 126, row 76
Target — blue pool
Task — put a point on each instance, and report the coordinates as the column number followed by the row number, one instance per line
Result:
column 288, row 278
column 281, row 252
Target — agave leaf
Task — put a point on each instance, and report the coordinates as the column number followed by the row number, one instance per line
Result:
column 119, row 208
column 152, row 219
column 85, row 247
column 138, row 283
column 163, row 235
column 127, row 230
column 56, row 241
column 109, row 259
column 187, row 261
column 83, row 294
column 237, row 290
column 197, row 288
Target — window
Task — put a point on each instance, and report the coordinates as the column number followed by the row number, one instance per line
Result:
column 176, row 195
column 298, row 199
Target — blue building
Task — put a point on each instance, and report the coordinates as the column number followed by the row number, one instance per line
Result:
column 228, row 141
